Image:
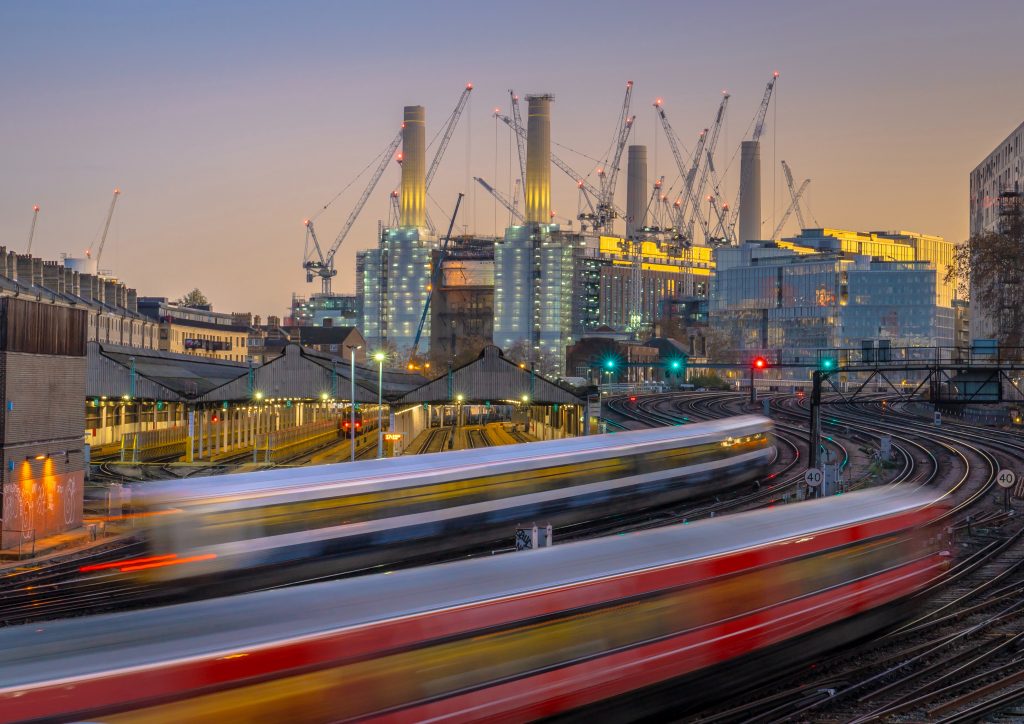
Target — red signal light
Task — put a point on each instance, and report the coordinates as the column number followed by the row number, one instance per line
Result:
column 632, row 398
column 760, row 363
column 215, row 419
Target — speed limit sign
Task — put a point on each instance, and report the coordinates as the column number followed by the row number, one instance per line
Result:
column 813, row 477
column 1006, row 478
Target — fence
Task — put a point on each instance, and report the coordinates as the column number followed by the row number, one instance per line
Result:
column 289, row 442
column 140, row 447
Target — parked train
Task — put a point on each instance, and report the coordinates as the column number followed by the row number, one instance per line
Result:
column 285, row 525
column 512, row 637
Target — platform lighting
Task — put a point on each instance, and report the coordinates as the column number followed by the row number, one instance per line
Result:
column 324, row 396
column 126, row 397
column 459, row 397
column 526, row 398
column 379, row 358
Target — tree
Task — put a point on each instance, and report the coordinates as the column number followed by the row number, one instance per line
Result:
column 195, row 298
column 518, row 352
column 986, row 270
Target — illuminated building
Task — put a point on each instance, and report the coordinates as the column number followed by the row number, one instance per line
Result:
column 666, row 274
column 533, row 293
column 371, row 286
column 320, row 310
column 828, row 288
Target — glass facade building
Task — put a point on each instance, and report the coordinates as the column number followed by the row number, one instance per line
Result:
column 534, row 274
column 371, row 284
column 794, row 300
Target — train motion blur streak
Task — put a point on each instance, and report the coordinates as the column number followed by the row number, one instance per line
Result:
column 291, row 524
column 519, row 636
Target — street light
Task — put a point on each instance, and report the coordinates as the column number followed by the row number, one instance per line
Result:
column 380, row 357
column 352, row 401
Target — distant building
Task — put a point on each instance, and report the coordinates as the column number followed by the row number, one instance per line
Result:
column 462, row 302
column 111, row 307
column 665, row 273
column 995, row 182
column 1001, row 171
column 828, row 289
column 319, row 310
column 371, row 288
column 202, row 332
column 534, row 272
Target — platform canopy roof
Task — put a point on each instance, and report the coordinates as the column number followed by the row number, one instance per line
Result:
column 299, row 373
column 494, row 378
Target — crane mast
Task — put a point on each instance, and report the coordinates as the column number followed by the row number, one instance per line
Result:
column 446, row 137
column 609, row 174
column 106, row 228
column 32, row 229
column 323, row 264
column 435, row 276
column 709, row 166
column 510, row 206
column 517, row 123
column 687, row 174
column 793, row 194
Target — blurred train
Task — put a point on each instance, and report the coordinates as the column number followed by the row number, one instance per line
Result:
column 609, row 626
column 278, row 526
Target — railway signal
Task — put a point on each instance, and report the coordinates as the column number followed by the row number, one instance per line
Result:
column 759, row 363
column 827, row 364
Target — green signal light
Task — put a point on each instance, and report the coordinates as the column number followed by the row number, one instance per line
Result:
column 676, row 364
column 609, row 364
column 828, row 364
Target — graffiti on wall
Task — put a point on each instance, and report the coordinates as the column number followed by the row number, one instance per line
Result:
column 40, row 503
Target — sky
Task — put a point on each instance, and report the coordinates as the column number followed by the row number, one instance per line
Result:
column 226, row 124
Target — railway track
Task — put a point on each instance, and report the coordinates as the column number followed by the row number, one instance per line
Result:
column 959, row 659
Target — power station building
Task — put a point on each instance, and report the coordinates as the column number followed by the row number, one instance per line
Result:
column 393, row 280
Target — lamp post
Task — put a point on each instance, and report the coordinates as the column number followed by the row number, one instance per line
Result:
column 380, row 357
column 352, row 399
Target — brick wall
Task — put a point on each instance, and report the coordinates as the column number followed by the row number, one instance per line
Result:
column 42, row 425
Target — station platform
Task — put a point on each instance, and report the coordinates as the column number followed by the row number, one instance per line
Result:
column 466, row 437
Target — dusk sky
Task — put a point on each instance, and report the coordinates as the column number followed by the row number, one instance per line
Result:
column 225, row 124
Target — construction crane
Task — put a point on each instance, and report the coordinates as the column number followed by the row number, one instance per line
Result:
column 500, row 198
column 732, row 217
column 32, row 229
column 684, row 224
column 321, row 264
column 517, row 119
column 434, row 278
column 394, row 210
column 708, row 169
column 446, row 137
column 609, row 173
column 794, row 204
column 106, row 228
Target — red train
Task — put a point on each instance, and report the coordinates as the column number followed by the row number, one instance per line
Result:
column 513, row 637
